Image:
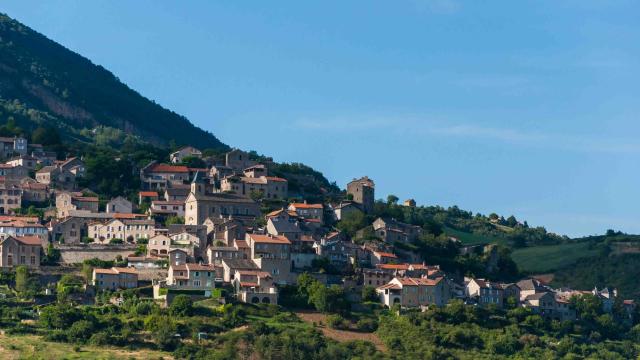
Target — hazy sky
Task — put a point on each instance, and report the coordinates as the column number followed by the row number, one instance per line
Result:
column 519, row 107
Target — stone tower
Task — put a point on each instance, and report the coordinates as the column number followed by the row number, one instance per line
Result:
column 363, row 192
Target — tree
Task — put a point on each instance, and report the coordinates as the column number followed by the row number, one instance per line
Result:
column 193, row 162
column 352, row 222
column 173, row 220
column 369, row 294
column 392, row 200
column 45, row 136
column 182, row 305
column 22, row 279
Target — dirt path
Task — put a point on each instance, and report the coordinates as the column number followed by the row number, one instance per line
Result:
column 340, row 335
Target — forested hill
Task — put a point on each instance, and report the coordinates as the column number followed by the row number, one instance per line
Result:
column 43, row 84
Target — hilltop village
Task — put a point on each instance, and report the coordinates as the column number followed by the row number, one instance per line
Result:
column 213, row 232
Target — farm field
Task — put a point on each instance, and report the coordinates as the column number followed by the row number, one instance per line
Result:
column 540, row 259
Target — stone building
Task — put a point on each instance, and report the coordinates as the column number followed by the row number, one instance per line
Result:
column 20, row 250
column 362, row 192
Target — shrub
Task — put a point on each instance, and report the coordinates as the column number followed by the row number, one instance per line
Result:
column 367, row 325
column 336, row 322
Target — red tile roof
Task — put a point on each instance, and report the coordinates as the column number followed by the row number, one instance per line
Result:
column 385, row 254
column 165, row 168
column 393, row 266
column 148, row 193
column 306, row 206
column 29, row 240
column 418, row 281
column 269, row 239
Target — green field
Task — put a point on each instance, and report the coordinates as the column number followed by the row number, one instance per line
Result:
column 540, row 259
column 469, row 238
column 34, row 347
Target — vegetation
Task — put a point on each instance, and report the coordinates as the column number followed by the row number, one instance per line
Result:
column 47, row 86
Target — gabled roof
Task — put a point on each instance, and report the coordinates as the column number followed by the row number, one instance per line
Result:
column 29, row 240
column 148, row 193
column 166, row 168
column 418, row 281
column 269, row 239
column 305, row 206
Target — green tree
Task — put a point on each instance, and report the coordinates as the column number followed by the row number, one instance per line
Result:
column 392, row 200
column 182, row 305
column 22, row 280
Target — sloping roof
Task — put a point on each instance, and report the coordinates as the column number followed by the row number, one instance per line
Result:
column 240, row 264
column 385, row 254
column 105, row 271
column 536, row 296
column 126, row 270
column 148, row 193
column 178, row 191
column 389, row 286
column 418, row 281
column 306, row 206
column 166, row 168
column 284, row 226
column 29, row 240
column 274, row 178
column 529, row 284
column 269, row 239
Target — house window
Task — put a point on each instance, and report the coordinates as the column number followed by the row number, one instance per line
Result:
column 196, row 282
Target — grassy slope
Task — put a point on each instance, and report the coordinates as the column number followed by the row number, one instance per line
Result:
column 34, row 347
column 541, row 259
column 469, row 238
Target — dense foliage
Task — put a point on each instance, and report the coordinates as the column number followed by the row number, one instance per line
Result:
column 44, row 84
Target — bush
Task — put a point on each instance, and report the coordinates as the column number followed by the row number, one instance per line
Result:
column 116, row 241
column 182, row 305
column 367, row 325
column 336, row 322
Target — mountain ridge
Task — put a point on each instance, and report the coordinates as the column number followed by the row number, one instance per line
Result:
column 42, row 83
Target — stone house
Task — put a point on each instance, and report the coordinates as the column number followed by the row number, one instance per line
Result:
column 177, row 193
column 529, row 287
column 129, row 230
column 414, row 292
column 147, row 196
column 12, row 146
column 191, row 276
column 230, row 266
column 238, row 160
column 547, row 305
column 26, row 161
column 391, row 230
column 380, row 257
column 218, row 172
column 10, row 172
column 34, row 192
column 270, row 187
column 20, row 250
column 201, row 205
column 362, row 192
column 73, row 165
column 10, row 198
column 376, row 277
column 344, row 209
column 157, row 176
column 284, row 226
column 115, row 278
column 167, row 208
column 66, row 202
column 273, row 255
column 255, row 287
column 119, row 205
column 159, row 245
column 485, row 292
column 308, row 211
column 176, row 157
column 17, row 226
column 215, row 254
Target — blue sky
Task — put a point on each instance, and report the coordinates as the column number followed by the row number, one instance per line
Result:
column 519, row 107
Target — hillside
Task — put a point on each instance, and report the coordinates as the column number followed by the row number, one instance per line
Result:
column 44, row 84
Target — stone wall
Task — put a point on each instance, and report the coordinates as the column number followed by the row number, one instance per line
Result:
column 77, row 253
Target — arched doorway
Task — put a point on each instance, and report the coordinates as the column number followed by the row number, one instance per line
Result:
column 266, row 300
column 255, row 300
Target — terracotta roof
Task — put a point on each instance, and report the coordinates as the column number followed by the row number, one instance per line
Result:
column 418, row 281
column 628, row 302
column 105, row 271
column 389, row 286
column 274, row 213
column 393, row 266
column 258, row 273
column 248, row 284
column 128, row 216
column 385, row 254
column 125, row 270
column 306, row 206
column 148, row 193
column 165, row 168
column 273, row 178
column 269, row 239
column 86, row 198
column 29, row 240
column 200, row 267
column 241, row 244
